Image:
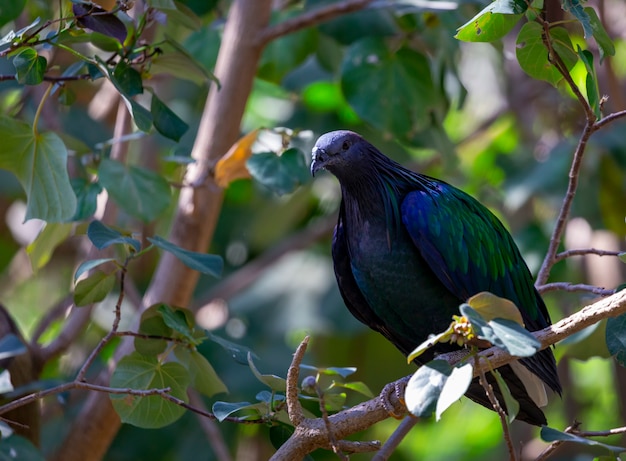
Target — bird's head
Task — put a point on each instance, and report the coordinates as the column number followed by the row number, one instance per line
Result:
column 337, row 150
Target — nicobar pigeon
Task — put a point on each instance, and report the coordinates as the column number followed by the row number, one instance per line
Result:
column 408, row 249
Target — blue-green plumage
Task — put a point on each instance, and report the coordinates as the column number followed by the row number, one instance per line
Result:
column 408, row 249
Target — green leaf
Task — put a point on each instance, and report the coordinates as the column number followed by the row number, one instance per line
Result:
column 87, row 198
column 493, row 22
column 177, row 320
column 281, row 173
column 127, row 79
column 140, row 192
column 616, row 338
column 88, row 265
column 40, row 250
column 356, row 386
column 532, row 53
column 180, row 64
column 178, row 12
column 139, row 372
column 512, row 405
column 203, row 377
column 223, row 410
column 454, row 388
column 425, row 387
column 490, row 306
column 166, row 121
column 344, row 372
column 152, row 324
column 276, row 383
column 94, row 288
column 575, row 7
column 594, row 447
column 503, row 333
column 38, row 160
column 30, row 67
column 201, row 262
column 403, row 79
column 238, row 352
column 622, row 257
column 10, row 10
column 11, row 346
column 430, row 342
column 516, row 339
column 103, row 236
column 611, row 195
column 18, row 448
column 591, row 80
column 605, row 44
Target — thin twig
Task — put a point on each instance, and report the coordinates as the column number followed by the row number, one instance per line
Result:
column 329, row 428
column 582, row 252
column 566, row 286
column 310, row 19
column 50, row 78
column 394, row 440
column 495, row 403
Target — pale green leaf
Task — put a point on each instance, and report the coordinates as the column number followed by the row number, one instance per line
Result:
column 94, row 288
column 203, row 376
column 201, row 262
column 40, row 250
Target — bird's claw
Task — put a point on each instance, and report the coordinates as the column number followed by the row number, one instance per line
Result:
column 392, row 399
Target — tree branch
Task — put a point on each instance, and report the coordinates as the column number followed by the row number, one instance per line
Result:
column 566, row 286
column 311, row 433
column 582, row 252
column 310, row 19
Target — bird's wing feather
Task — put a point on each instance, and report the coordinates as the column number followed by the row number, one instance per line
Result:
column 470, row 251
column 468, row 248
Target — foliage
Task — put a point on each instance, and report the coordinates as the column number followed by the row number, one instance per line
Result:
column 105, row 140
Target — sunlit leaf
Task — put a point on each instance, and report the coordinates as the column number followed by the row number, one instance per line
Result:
column 233, row 165
column 356, row 386
column 454, row 388
column 202, row 262
column 532, row 53
column 40, row 250
column 430, row 342
column 39, row 161
column 490, row 306
column 591, row 80
column 94, row 288
column 425, row 387
column 141, row 192
column 136, row 371
column 512, row 405
column 30, row 67
column 103, row 236
column 493, row 22
column 88, row 265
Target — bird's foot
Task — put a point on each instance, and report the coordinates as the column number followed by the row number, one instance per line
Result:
column 392, row 399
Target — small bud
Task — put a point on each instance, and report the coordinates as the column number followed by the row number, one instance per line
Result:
column 309, row 384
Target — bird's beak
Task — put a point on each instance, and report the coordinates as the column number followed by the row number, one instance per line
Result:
column 319, row 159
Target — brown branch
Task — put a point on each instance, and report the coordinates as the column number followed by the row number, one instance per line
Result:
column 608, row 432
column 495, row 403
column 50, row 78
column 310, row 19
column 582, row 252
column 566, row 286
column 550, row 449
column 311, row 433
column 394, row 440
column 294, row 409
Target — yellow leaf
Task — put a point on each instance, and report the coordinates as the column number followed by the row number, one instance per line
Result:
column 233, row 165
column 490, row 307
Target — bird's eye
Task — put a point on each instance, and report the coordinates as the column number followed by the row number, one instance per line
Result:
column 345, row 146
